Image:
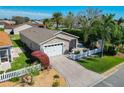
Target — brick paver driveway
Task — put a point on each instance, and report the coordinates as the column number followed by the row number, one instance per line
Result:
column 75, row 75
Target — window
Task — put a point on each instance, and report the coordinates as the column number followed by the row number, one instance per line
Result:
column 3, row 55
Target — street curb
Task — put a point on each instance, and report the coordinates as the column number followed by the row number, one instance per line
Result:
column 105, row 77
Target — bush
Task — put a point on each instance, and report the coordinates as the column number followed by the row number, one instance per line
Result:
column 55, row 84
column 1, row 29
column 56, row 76
column 76, row 32
column 121, row 50
column 1, row 72
column 15, row 79
column 12, row 32
column 76, row 52
column 34, row 72
column 28, row 79
column 110, row 50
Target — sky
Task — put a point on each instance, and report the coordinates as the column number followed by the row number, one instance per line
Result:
column 41, row 12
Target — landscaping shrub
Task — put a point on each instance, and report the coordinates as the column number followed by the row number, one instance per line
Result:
column 27, row 79
column 2, row 29
column 76, row 52
column 121, row 50
column 56, row 76
column 1, row 72
column 110, row 50
column 12, row 32
column 15, row 79
column 55, row 84
column 76, row 32
column 34, row 72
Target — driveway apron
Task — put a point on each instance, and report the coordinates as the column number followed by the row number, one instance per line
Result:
column 74, row 74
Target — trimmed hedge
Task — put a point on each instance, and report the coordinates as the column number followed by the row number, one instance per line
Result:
column 76, row 32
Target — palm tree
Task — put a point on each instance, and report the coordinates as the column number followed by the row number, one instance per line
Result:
column 86, row 20
column 57, row 16
column 46, row 22
column 108, row 29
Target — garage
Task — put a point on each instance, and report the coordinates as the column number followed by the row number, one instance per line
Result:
column 53, row 49
column 52, row 42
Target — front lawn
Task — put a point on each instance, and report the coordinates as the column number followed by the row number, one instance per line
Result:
column 101, row 65
column 19, row 62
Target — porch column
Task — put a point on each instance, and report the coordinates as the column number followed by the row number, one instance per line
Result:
column 11, row 54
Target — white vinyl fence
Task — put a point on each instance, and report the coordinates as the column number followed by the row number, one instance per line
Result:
column 18, row 73
column 84, row 54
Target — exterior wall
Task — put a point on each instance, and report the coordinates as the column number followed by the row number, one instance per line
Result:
column 64, row 36
column 20, row 28
column 58, row 40
column 30, row 44
column 8, row 31
column 6, row 65
column 70, row 38
column 1, row 26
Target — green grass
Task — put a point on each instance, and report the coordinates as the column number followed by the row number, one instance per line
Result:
column 19, row 62
column 16, row 41
column 15, row 79
column 100, row 65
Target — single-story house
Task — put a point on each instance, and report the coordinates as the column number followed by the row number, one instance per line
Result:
column 5, row 51
column 37, row 24
column 52, row 42
column 6, row 26
column 20, row 27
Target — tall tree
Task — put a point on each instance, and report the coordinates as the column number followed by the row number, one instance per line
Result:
column 57, row 17
column 46, row 22
column 69, row 20
column 120, row 20
column 20, row 19
column 86, row 21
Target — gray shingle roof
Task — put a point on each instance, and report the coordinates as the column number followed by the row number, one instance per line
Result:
column 38, row 35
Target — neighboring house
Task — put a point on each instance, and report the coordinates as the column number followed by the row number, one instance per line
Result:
column 5, row 51
column 20, row 27
column 8, row 21
column 2, row 25
column 6, row 26
column 37, row 24
column 50, row 41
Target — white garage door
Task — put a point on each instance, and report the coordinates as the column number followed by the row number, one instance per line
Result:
column 53, row 49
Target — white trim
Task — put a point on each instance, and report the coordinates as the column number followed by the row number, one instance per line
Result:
column 47, row 40
column 43, row 46
column 56, row 36
column 66, row 34
column 7, row 55
column 53, row 44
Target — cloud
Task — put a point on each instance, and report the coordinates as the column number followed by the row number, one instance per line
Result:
column 5, row 13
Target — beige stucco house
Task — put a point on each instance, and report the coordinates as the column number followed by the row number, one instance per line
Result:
column 52, row 42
